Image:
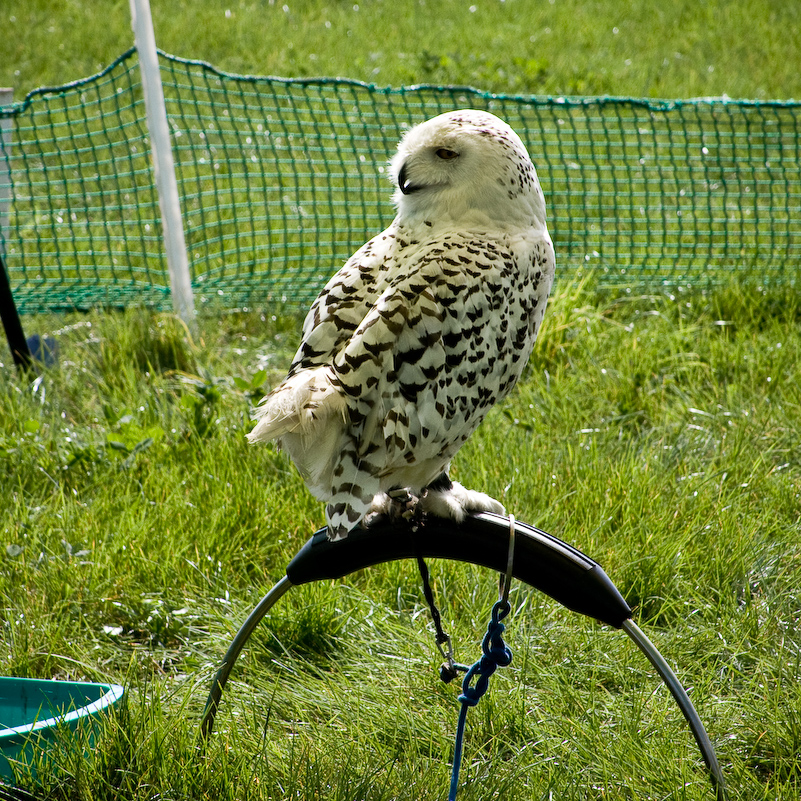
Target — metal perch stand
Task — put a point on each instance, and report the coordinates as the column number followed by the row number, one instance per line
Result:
column 540, row 560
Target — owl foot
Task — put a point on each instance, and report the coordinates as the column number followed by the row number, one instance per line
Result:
column 442, row 498
column 455, row 502
column 400, row 503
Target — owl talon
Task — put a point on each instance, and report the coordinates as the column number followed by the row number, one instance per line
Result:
column 400, row 503
column 449, row 501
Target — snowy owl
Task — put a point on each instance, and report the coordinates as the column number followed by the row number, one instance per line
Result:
column 424, row 328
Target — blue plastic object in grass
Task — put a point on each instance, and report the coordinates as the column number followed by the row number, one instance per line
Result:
column 35, row 715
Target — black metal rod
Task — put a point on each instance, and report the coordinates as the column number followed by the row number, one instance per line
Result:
column 685, row 704
column 12, row 324
column 232, row 654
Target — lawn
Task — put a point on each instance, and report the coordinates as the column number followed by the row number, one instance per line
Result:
column 657, row 433
column 642, row 48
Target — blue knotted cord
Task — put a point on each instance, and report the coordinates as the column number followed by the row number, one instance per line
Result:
column 496, row 653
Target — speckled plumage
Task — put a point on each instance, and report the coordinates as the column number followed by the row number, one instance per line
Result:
column 424, row 328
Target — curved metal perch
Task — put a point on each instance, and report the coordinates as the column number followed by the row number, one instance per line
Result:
column 541, row 560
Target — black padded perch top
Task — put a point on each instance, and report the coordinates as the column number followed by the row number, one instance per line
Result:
column 540, row 559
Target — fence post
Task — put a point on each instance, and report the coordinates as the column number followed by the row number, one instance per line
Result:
column 163, row 164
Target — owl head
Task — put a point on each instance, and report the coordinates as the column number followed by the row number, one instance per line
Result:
column 466, row 167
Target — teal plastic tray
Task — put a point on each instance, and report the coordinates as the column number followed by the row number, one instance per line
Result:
column 35, row 713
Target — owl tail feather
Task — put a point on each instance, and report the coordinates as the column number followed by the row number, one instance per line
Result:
column 306, row 414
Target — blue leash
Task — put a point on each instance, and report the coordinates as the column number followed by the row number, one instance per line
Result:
column 496, row 653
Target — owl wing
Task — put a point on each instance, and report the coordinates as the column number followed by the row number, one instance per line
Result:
column 454, row 336
column 344, row 302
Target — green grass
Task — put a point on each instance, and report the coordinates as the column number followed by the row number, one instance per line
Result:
column 657, row 434
column 638, row 48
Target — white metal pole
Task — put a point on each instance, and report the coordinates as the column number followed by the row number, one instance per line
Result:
column 163, row 164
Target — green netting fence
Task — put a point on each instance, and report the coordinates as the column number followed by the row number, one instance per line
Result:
column 281, row 179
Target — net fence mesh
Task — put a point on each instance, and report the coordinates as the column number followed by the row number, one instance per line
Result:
column 282, row 179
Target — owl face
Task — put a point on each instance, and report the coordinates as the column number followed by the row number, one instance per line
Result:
column 469, row 166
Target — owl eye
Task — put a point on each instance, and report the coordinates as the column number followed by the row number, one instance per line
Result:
column 446, row 154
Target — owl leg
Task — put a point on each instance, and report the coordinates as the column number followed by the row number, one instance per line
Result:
column 449, row 499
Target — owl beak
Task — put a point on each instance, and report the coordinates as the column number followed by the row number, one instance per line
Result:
column 403, row 182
